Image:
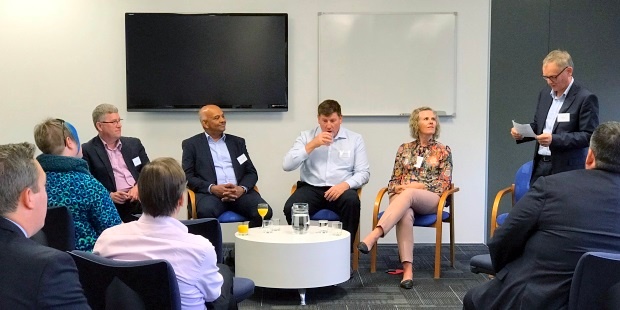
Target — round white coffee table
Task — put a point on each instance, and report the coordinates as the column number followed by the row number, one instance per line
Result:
column 282, row 259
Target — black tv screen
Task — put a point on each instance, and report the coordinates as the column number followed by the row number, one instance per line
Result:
column 184, row 61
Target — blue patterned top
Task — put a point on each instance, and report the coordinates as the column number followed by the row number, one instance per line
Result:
column 70, row 184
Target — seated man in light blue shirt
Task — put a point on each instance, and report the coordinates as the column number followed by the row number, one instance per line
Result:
column 219, row 170
column 333, row 165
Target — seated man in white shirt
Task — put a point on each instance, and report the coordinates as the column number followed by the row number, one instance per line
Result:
column 333, row 165
column 159, row 235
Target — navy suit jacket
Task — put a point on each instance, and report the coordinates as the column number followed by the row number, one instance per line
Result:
column 34, row 276
column 570, row 140
column 536, row 250
column 99, row 165
column 200, row 169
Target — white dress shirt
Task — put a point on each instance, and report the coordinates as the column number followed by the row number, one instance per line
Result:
column 552, row 116
column 192, row 257
column 344, row 160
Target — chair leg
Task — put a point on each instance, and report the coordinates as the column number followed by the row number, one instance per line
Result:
column 373, row 259
column 451, row 241
column 356, row 253
column 438, row 250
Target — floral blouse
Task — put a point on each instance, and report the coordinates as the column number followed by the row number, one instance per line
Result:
column 435, row 170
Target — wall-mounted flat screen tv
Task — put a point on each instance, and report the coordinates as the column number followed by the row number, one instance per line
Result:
column 184, row 61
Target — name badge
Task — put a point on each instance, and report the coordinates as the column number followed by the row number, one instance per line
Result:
column 345, row 154
column 418, row 161
column 241, row 159
column 136, row 161
column 563, row 117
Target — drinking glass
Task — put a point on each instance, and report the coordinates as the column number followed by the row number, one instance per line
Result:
column 243, row 228
column 267, row 226
column 336, row 228
column 275, row 222
column 323, row 226
column 263, row 208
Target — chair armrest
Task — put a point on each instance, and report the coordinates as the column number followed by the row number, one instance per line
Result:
column 442, row 201
column 508, row 190
column 377, row 206
column 193, row 214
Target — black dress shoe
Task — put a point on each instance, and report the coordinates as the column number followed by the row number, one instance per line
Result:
column 407, row 284
column 362, row 247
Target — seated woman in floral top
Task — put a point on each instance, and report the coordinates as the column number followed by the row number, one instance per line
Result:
column 422, row 172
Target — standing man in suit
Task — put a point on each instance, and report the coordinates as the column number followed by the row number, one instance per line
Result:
column 536, row 250
column 33, row 276
column 115, row 161
column 219, row 170
column 333, row 165
column 565, row 118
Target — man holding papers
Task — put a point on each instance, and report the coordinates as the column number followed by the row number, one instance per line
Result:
column 566, row 116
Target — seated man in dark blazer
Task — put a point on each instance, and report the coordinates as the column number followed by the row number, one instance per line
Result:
column 219, row 170
column 564, row 215
column 33, row 276
column 115, row 160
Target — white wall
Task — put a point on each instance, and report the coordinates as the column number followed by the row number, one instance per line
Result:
column 61, row 58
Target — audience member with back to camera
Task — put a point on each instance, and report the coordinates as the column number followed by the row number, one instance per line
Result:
column 70, row 184
column 422, row 172
column 157, row 234
column 563, row 216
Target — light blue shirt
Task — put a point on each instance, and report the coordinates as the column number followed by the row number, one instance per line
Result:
column 19, row 226
column 344, row 160
column 552, row 116
column 222, row 161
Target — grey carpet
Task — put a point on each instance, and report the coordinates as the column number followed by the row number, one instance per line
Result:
column 380, row 290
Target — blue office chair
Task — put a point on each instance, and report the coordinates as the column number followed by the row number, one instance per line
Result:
column 112, row 284
column 211, row 230
column 58, row 231
column 329, row 215
column 428, row 220
column 226, row 217
column 517, row 190
column 595, row 281
column 482, row 263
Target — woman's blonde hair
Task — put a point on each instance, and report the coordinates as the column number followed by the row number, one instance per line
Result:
column 414, row 119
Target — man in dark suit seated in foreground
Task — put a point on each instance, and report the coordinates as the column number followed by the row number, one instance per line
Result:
column 564, row 215
column 33, row 276
column 220, row 171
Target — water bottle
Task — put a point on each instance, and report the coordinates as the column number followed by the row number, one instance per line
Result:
column 301, row 218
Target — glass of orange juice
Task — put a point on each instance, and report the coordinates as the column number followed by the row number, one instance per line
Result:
column 263, row 208
column 243, row 228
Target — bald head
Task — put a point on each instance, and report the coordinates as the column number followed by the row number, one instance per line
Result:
column 212, row 120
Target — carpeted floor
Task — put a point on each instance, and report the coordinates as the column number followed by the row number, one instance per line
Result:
column 380, row 290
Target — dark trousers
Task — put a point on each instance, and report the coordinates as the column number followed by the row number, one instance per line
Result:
column 541, row 168
column 347, row 206
column 127, row 210
column 226, row 301
column 208, row 205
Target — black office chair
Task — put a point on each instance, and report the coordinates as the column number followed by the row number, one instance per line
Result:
column 210, row 229
column 112, row 284
column 596, row 282
column 58, row 231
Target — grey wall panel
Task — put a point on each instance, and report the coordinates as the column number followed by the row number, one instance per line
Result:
column 519, row 42
column 590, row 32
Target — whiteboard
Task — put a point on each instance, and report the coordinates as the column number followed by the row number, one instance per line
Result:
column 388, row 64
